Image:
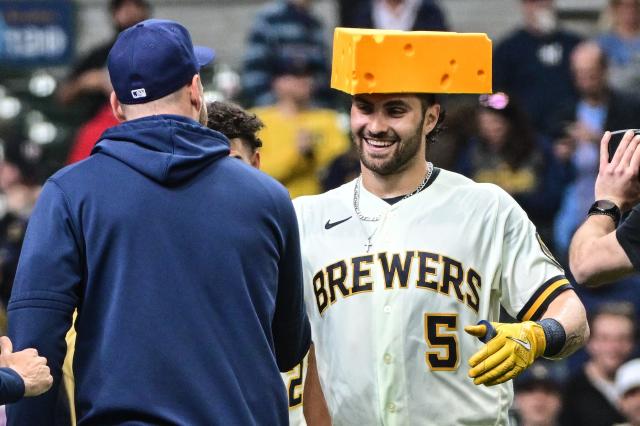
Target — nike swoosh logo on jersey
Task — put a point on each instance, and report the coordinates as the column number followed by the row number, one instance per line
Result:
column 330, row 224
column 524, row 344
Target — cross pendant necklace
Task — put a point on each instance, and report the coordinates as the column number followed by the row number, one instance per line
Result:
column 363, row 218
column 368, row 243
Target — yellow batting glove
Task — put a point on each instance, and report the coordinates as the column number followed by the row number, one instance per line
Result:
column 512, row 350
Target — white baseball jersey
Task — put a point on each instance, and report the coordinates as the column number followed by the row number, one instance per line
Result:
column 294, row 382
column 387, row 323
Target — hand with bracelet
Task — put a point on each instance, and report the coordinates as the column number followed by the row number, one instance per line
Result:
column 618, row 179
column 511, row 348
column 598, row 252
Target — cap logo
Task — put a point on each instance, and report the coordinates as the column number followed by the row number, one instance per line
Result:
column 139, row 93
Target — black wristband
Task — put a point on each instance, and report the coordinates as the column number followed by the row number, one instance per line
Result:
column 607, row 208
column 555, row 336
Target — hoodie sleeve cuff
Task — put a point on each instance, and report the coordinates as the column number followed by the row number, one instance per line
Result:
column 11, row 386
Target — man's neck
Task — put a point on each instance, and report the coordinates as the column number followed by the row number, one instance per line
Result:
column 394, row 185
column 596, row 99
column 628, row 32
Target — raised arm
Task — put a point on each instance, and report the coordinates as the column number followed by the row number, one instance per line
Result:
column 598, row 253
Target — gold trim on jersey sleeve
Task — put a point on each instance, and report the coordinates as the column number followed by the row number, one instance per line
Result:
column 537, row 305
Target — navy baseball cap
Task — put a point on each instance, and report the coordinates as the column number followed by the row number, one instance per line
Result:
column 153, row 59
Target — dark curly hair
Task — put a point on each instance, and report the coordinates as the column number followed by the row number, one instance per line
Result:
column 234, row 122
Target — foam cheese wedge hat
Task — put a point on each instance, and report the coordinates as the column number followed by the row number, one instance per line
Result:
column 388, row 61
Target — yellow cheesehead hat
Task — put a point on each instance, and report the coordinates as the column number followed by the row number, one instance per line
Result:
column 386, row 61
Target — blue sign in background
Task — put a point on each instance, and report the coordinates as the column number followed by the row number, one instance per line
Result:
column 36, row 33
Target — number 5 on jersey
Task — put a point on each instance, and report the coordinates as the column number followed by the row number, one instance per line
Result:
column 440, row 334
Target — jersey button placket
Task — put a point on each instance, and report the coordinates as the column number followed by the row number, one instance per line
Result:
column 388, row 339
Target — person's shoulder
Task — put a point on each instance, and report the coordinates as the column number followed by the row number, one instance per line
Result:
column 470, row 189
column 327, row 115
column 458, row 181
column 74, row 174
column 569, row 36
column 252, row 185
column 74, row 181
column 624, row 100
column 249, row 178
column 327, row 200
column 607, row 39
column 512, row 38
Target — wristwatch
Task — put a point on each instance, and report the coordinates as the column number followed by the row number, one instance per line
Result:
column 607, row 208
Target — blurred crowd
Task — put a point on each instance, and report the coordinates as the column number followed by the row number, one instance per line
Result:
column 537, row 136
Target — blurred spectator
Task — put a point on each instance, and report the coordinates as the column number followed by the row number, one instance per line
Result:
column 18, row 194
column 89, row 81
column 628, row 388
column 89, row 133
column 284, row 29
column 621, row 44
column 299, row 140
column 532, row 63
column 344, row 168
column 538, row 396
column 89, row 78
column 590, row 397
column 507, row 152
column 598, row 108
column 240, row 127
column 406, row 15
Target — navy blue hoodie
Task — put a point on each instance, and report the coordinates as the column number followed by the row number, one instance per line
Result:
column 185, row 267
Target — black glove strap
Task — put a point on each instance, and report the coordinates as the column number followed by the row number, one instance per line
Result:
column 554, row 334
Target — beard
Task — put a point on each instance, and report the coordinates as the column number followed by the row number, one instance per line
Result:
column 404, row 152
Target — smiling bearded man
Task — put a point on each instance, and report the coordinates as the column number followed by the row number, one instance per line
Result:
column 401, row 261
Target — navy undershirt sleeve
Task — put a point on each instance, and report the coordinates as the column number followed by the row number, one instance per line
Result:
column 11, row 386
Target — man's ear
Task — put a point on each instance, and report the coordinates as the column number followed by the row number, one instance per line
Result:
column 431, row 116
column 255, row 161
column 196, row 92
column 116, row 107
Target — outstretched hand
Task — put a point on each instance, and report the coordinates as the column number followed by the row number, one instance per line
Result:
column 512, row 350
column 618, row 179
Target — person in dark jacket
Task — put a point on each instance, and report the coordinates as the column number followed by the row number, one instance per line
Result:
column 183, row 263
column 22, row 373
column 289, row 29
column 406, row 15
column 532, row 63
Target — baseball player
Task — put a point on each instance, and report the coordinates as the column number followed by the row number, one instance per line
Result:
column 240, row 127
column 403, row 262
